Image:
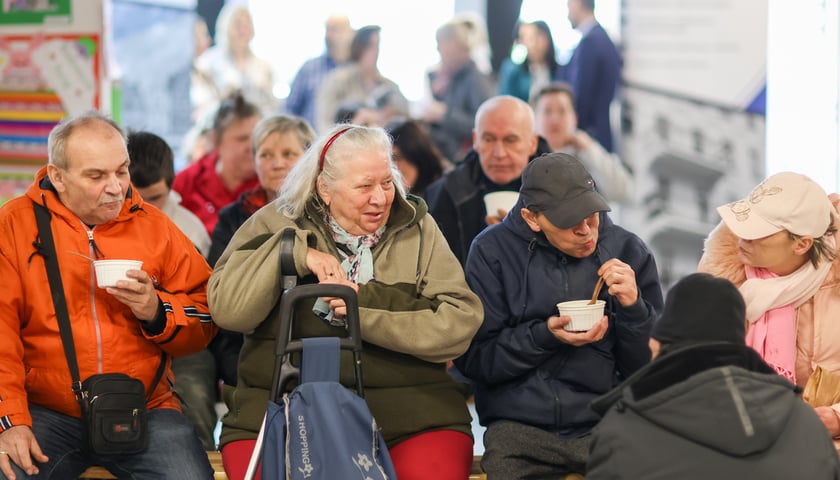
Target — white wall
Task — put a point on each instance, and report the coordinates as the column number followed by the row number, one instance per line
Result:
column 802, row 89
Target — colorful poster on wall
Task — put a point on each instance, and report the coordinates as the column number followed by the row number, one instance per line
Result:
column 43, row 78
column 34, row 11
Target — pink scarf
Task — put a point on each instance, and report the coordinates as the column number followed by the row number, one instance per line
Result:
column 771, row 310
column 773, row 335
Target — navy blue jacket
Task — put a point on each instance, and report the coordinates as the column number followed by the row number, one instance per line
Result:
column 593, row 72
column 521, row 372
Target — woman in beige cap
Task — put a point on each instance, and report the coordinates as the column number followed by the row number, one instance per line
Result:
column 778, row 246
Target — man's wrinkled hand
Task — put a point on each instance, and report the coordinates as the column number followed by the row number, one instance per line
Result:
column 594, row 334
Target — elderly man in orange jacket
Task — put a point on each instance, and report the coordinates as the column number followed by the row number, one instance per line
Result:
column 133, row 327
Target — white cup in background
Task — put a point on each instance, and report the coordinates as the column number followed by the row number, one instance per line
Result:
column 495, row 201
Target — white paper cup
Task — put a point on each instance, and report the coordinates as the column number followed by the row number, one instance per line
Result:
column 109, row 271
column 496, row 201
column 584, row 316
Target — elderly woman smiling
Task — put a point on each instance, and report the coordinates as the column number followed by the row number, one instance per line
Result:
column 355, row 226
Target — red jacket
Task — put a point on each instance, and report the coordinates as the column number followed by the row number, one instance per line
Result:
column 107, row 336
column 203, row 193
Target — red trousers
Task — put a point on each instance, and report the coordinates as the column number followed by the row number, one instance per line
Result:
column 442, row 455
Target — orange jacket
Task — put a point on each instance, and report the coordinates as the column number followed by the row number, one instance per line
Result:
column 107, row 336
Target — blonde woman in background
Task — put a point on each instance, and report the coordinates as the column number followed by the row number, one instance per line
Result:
column 231, row 65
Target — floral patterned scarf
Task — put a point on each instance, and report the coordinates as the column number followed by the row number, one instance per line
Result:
column 357, row 265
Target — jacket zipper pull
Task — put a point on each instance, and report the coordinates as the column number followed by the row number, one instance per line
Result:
column 94, row 250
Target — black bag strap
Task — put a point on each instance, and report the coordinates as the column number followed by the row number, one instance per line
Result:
column 42, row 217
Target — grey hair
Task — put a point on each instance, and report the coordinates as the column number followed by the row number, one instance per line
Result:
column 60, row 134
column 493, row 103
column 282, row 124
column 300, row 185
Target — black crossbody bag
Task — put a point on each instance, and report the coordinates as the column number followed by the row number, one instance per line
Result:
column 113, row 404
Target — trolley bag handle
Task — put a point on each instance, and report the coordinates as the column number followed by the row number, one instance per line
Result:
column 288, row 274
column 284, row 370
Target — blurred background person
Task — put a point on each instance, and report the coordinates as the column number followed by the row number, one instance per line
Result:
column 152, row 170
column 302, row 94
column 416, row 156
column 523, row 77
column 360, row 80
column 556, row 122
column 230, row 65
column 277, row 142
column 593, row 71
column 221, row 176
column 456, row 88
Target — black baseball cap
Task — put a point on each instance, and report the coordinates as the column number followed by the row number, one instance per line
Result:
column 558, row 186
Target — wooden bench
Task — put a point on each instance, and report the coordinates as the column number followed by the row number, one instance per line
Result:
column 475, row 471
column 96, row 473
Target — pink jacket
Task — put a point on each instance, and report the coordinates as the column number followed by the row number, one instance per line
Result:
column 817, row 324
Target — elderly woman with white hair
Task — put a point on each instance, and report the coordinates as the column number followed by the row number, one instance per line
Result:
column 355, row 226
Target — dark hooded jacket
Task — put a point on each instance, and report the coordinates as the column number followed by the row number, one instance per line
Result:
column 709, row 411
column 456, row 201
column 521, row 372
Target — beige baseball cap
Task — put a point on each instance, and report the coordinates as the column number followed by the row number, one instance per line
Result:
column 785, row 201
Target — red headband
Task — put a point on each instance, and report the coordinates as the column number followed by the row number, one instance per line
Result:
column 327, row 146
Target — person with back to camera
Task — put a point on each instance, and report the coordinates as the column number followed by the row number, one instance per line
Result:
column 778, row 246
column 707, row 404
column 534, row 379
column 354, row 226
column 503, row 143
column 127, row 328
column 220, row 177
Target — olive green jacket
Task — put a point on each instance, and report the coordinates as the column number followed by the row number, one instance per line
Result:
column 416, row 315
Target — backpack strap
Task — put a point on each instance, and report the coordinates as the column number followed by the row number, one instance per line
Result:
column 320, row 359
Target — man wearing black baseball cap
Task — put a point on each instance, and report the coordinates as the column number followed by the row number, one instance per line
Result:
column 708, row 405
column 533, row 377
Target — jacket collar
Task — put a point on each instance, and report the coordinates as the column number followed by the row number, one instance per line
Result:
column 678, row 365
column 43, row 192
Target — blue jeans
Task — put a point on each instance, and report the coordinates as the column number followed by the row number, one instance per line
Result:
column 174, row 451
